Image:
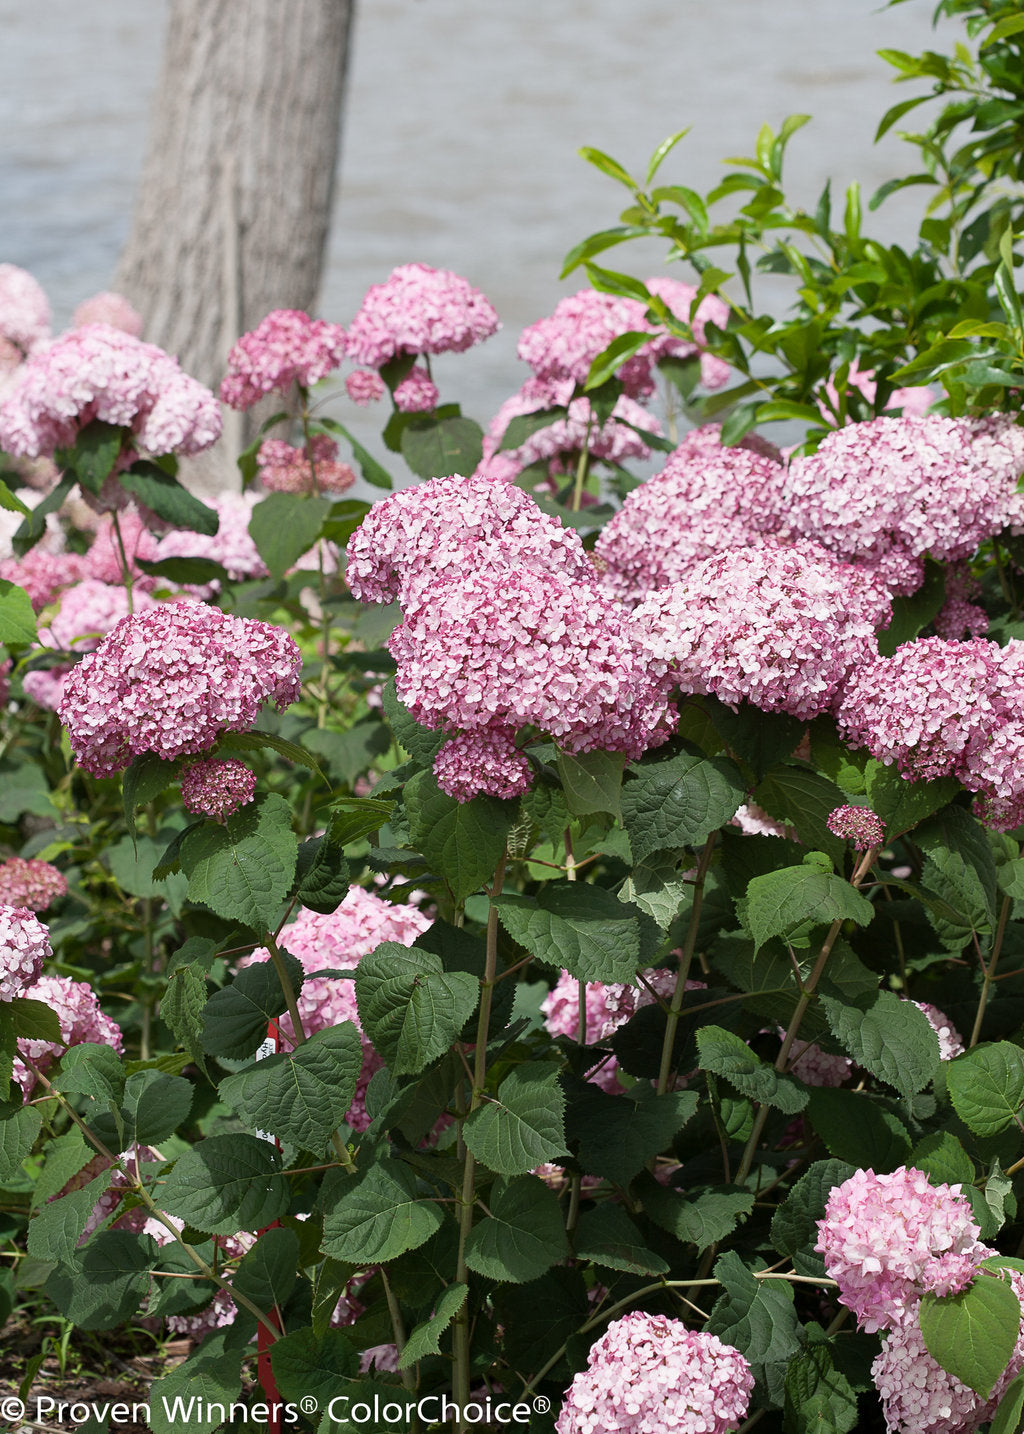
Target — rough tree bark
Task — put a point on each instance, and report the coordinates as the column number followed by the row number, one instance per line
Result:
column 235, row 196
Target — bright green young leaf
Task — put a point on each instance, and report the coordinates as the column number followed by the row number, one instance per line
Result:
column 888, row 1037
column 425, row 1338
column 986, row 1086
column 524, row 1125
column 411, row 1008
column 523, row 1236
column 972, row 1334
column 790, row 903
column 17, row 619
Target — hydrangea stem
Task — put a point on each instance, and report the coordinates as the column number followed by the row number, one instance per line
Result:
column 989, row 971
column 685, row 959
column 581, row 468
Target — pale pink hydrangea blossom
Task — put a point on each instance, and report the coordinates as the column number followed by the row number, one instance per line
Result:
column 170, row 680
column 24, row 315
column 859, row 825
column 364, row 386
column 959, row 617
column 24, row 947
column 950, row 1041
column 417, row 392
column 284, row 348
column 30, row 883
column 109, row 308
column 488, row 760
column 561, row 347
column 614, row 441
column 419, row 310
column 104, row 560
column 42, row 574
column 87, row 612
column 679, row 297
column 608, row 1005
column 285, row 469
column 649, row 1374
column 99, row 372
column 217, row 789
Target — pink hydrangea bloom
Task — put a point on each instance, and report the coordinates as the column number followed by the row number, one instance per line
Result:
column 649, row 1374
column 43, row 575
column 104, row 560
column 284, row 469
column 889, row 491
column 706, row 499
column 87, row 612
column 221, row 1310
column 912, row 401
column 45, row 686
column 959, row 616
column 950, row 1041
column 284, row 348
column 24, row 947
column 451, row 525
column 24, row 310
column 170, row 680
column 99, row 372
column 482, row 762
column 889, row 1239
column 109, row 308
column 81, row 1021
column 609, row 1005
column 419, row 310
column 32, row 884
column 417, row 393
column 231, row 546
column 778, row 627
column 217, row 789
column 859, row 825
column 820, row 1068
column 561, row 347
column 364, row 387
column 753, row 820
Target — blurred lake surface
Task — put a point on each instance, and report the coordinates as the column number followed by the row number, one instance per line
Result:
column 461, row 132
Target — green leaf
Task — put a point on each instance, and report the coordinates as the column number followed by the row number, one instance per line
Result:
column 425, row 1338
column 663, row 149
column 411, row 1009
column 17, row 620
column 440, row 447
column 192, row 1394
column 235, row 1019
column 524, row 1125
column 902, row 804
column 33, row 1020
column 607, row 165
column 618, row 1134
column 986, row 1086
column 419, row 742
column 583, row 929
column 197, row 571
column 227, row 1183
column 56, row 1228
column 795, row 1223
column 94, row 1070
column 592, row 781
column 805, row 800
column 703, row 1220
column 110, row 1283
column 761, row 739
column 888, row 1037
column 242, row 870
column 94, row 454
column 169, row 499
column 34, row 526
column 153, row 1106
column 181, row 1007
column 725, row 1054
column 1007, row 1418
column 255, row 740
column 357, row 817
column 856, row 1129
column 11, row 502
column 379, row 1215
column 267, row 1273
column 819, row 1397
column 1003, row 29
column 352, row 753
column 19, row 1126
column 607, row 363
column 541, row 1315
column 972, row 1334
column 790, row 903
column 307, row 1365
column 943, row 1159
column 284, row 526
column 524, row 425
column 145, row 779
column 321, row 875
column 373, row 473
column 63, row 1157
column 607, row 1237
column 911, row 614
column 524, row 1234
column 462, row 841
column 678, row 802
column 302, row 1096
column 756, row 1317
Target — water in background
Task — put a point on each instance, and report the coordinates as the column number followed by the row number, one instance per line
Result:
column 460, row 134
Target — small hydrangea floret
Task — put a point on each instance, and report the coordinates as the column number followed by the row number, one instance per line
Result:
column 217, row 789
column 859, row 825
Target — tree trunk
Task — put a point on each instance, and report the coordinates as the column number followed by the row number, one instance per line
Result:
column 235, row 197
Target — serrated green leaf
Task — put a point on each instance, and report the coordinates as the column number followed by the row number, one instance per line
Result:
column 425, row 1338
column 986, row 1086
column 607, row 1236
column 794, row 1227
column 11, row 503
column 888, row 1037
column 169, row 499
column 902, row 804
column 726, row 1055
column 63, row 1157
column 267, row 1273
column 256, row 740
column 1007, row 1418
column 235, row 1019
column 17, row 619
column 145, row 779
column 110, row 1283
column 300, row 1097
column 790, row 903
column 857, row 1129
column 592, row 781
column 194, row 1392
column 33, row 1020
column 819, row 1397
column 804, row 799
column 617, row 1135
column 322, row 875
column 462, row 841
column 372, row 472
column 56, row 1228
column 679, row 802
column 284, row 526
column 583, row 929
column 524, row 1234
column 943, row 1159
column 705, row 1219
column 95, row 451
column 243, row 869
column 524, row 425
column 357, row 817
column 379, row 1215
column 756, row 1317
column 227, row 1183
column 182, row 1005
column 524, row 1125
column 92, row 1069
column 439, row 447
column 411, row 1009
column 19, row 1126
column 972, row 1334
column 152, row 1107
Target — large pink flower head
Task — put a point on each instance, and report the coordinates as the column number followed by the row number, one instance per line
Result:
column 648, row 1374
column 419, row 310
column 99, row 372
column 217, row 789
column 561, row 347
column 453, row 525
column 889, row 1239
column 778, row 627
column 24, row 310
column 44, row 575
column 889, row 491
column 706, row 498
column 170, row 680
column 31, row 883
column 939, row 708
column 284, row 348
column 24, row 946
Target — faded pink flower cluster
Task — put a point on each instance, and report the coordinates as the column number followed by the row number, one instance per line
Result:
column 649, row 1374
column 781, row 628
column 43, row 574
column 859, row 825
column 419, row 310
column 24, row 947
column 950, row 1041
column 217, row 789
column 31, row 883
column 109, row 308
column 364, row 386
column 417, row 393
column 170, row 680
column 939, row 708
column 284, row 469
column 81, row 1021
column 99, row 372
column 284, row 348
column 24, row 315
column 613, row 441
column 488, row 761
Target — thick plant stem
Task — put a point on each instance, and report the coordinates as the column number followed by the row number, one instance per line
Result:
column 467, row 1198
column 287, row 989
column 685, row 959
column 989, row 971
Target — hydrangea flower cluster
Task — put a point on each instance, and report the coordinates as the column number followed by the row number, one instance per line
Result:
column 99, row 372
column 939, row 708
column 706, row 499
column 284, row 348
column 364, row 387
column 88, row 611
column 889, row 491
column 561, row 347
column 24, row 947
column 959, row 617
column 32, row 884
column 231, row 545
column 417, row 393
column 648, row 1374
column 889, row 1239
column 778, row 627
column 284, row 469
column 42, row 574
column 104, row 560
column 609, row 1005
column 950, row 1041
column 679, row 297
column 487, row 760
column 419, row 310
column 217, row 789
column 24, row 314
column 81, row 1021
column 859, row 825
column 109, row 308
column 170, row 680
